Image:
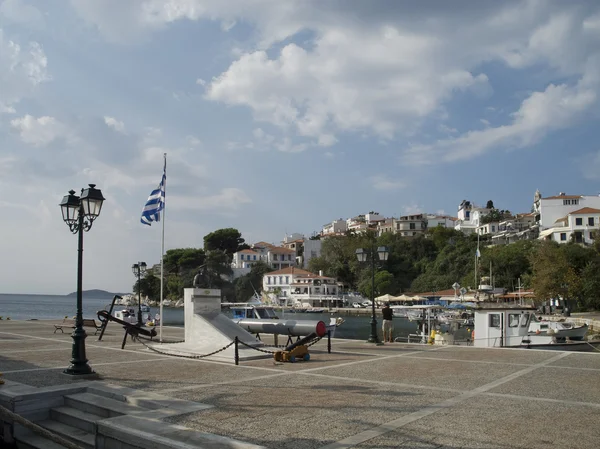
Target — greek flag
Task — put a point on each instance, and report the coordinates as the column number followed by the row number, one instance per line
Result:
column 156, row 201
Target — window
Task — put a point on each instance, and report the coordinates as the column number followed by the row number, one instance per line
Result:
column 494, row 320
column 254, row 257
column 281, row 279
column 413, row 226
column 241, row 257
column 287, row 279
column 590, row 221
column 578, row 221
column 513, row 319
column 525, row 320
column 268, row 279
column 563, row 236
column 493, row 228
column 289, row 257
column 570, row 202
column 467, row 214
column 274, row 256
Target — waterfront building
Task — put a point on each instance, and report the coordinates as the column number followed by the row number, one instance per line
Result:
column 300, row 288
column 579, row 226
column 305, row 249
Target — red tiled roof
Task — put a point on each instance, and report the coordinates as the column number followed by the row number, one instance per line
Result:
column 290, row 270
column 562, row 197
column 247, row 251
column 278, row 249
column 585, row 210
column 263, row 244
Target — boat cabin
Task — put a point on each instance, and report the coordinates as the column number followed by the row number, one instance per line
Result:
column 258, row 312
column 502, row 325
column 126, row 314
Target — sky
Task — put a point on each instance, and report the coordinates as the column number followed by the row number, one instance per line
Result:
column 278, row 117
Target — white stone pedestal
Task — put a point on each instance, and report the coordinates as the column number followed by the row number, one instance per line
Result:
column 207, row 329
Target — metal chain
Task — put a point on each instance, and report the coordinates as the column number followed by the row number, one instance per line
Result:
column 255, row 348
column 186, row 356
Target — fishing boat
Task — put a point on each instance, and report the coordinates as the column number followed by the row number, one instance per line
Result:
column 558, row 329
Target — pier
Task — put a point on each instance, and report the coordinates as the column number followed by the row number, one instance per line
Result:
column 359, row 395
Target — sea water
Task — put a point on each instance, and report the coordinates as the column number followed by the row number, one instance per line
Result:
column 45, row 307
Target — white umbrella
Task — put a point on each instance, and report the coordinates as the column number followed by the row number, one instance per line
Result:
column 385, row 298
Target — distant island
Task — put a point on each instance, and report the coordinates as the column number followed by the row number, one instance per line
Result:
column 96, row 293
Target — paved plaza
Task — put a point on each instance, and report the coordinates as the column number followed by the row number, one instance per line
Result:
column 360, row 395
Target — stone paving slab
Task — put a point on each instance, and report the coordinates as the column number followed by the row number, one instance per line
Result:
column 548, row 382
column 439, row 373
column 497, row 423
column 588, row 361
column 496, row 355
column 309, row 415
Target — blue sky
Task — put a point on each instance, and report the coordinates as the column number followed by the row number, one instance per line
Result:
column 279, row 116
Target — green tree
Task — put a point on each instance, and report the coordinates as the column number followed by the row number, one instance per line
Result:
column 550, row 266
column 228, row 240
column 384, row 283
column 149, row 286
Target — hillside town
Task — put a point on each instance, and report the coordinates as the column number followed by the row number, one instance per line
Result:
column 560, row 218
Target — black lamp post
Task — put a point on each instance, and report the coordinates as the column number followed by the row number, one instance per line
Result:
column 79, row 214
column 383, row 253
column 139, row 269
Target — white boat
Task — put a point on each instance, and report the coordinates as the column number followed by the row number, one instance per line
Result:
column 558, row 329
column 126, row 314
column 145, row 308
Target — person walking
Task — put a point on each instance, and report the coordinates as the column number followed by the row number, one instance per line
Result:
column 388, row 324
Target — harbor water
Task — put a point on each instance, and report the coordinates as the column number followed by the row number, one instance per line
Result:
column 45, row 307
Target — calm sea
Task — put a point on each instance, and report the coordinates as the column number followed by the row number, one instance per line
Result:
column 44, row 307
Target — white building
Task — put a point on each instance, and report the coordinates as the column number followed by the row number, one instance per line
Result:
column 444, row 221
column 548, row 210
column 335, row 227
column 276, row 257
column 579, row 226
column 297, row 287
column 410, row 225
column 305, row 249
column 519, row 227
column 469, row 217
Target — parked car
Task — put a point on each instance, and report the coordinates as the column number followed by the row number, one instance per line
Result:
column 366, row 303
column 356, row 305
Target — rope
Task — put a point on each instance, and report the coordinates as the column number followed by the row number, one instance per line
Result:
column 185, row 356
column 13, row 417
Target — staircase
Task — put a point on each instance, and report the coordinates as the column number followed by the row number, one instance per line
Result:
column 94, row 415
column 76, row 420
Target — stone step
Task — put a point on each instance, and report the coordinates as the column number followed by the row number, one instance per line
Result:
column 100, row 405
column 34, row 441
column 78, row 436
column 75, row 418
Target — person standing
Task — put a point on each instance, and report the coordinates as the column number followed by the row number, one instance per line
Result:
column 388, row 324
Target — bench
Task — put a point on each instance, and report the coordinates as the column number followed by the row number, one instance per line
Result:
column 70, row 323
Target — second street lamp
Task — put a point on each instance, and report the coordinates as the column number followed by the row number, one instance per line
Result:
column 139, row 269
column 361, row 254
column 79, row 214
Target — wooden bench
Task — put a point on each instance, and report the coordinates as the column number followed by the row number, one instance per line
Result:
column 70, row 323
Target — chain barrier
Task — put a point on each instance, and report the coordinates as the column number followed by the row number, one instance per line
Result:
column 183, row 356
column 255, row 348
column 10, row 416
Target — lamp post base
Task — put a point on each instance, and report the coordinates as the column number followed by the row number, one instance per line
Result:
column 373, row 338
column 79, row 362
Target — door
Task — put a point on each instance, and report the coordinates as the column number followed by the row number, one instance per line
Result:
column 494, row 326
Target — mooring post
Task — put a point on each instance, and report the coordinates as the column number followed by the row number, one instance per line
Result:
column 329, row 342
column 236, row 352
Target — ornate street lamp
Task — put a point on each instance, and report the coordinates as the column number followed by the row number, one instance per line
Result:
column 139, row 269
column 79, row 214
column 361, row 254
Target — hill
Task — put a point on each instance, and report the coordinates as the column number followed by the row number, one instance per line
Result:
column 96, row 293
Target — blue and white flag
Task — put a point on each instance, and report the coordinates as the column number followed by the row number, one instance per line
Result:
column 156, row 201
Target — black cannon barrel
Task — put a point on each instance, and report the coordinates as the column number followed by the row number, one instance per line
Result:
column 302, row 341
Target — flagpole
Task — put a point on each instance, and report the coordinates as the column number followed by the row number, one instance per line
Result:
column 162, row 257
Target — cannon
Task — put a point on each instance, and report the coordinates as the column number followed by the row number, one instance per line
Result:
column 296, row 351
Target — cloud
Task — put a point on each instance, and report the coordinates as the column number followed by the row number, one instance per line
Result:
column 39, row 131
column 227, row 200
column 115, row 124
column 21, row 70
column 382, row 182
column 19, row 12
column 557, row 107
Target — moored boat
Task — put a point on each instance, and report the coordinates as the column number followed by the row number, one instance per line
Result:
column 558, row 329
